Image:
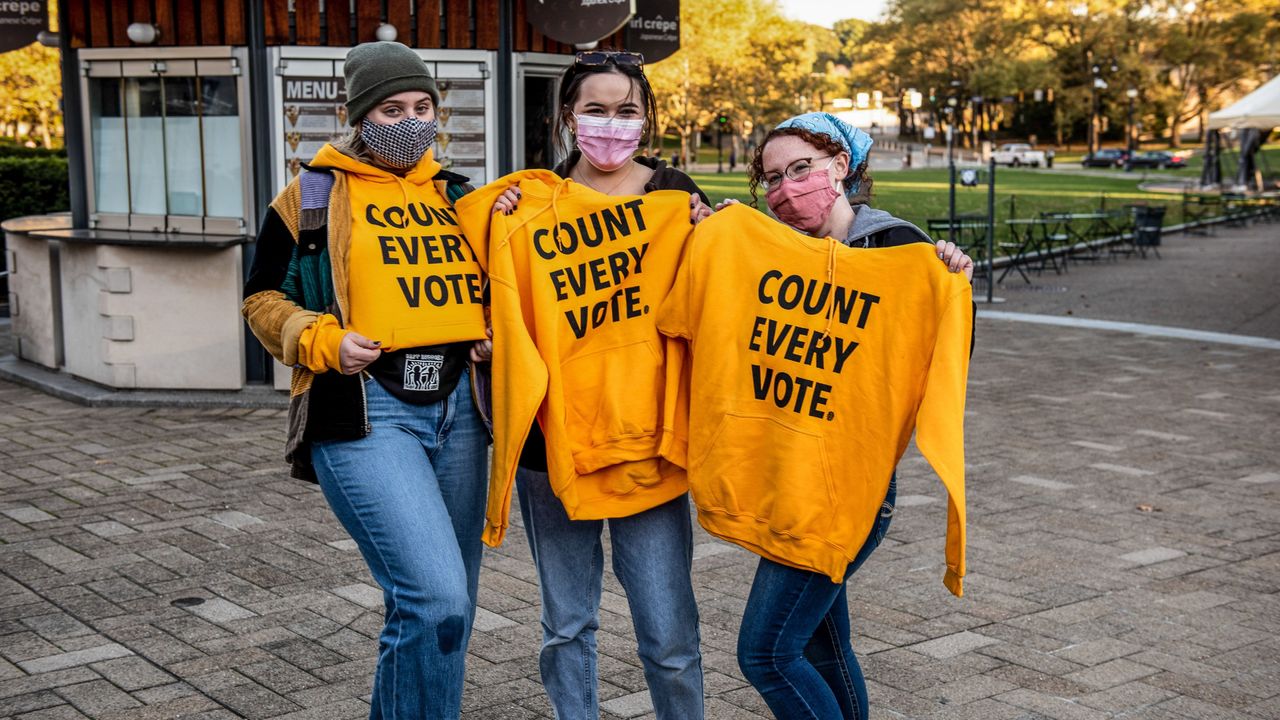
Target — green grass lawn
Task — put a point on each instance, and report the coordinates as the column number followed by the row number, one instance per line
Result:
column 918, row 195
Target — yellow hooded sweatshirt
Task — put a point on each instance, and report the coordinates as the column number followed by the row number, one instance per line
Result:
column 414, row 278
column 811, row 364
column 576, row 278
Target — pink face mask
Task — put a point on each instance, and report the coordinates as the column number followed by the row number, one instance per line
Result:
column 804, row 204
column 608, row 143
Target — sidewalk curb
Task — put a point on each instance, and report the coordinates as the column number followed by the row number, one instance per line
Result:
column 82, row 392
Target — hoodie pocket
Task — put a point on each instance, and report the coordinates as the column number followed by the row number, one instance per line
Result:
column 612, row 399
column 760, row 468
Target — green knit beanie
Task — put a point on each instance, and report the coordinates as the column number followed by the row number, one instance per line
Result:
column 377, row 70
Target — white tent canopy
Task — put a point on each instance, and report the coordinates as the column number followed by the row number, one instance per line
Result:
column 1259, row 109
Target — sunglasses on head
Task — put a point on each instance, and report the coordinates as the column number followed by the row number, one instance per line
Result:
column 603, row 57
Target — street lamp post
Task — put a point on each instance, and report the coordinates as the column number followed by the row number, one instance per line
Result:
column 1130, row 135
column 1098, row 84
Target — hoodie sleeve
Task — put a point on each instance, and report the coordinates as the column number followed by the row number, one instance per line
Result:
column 940, row 423
column 519, row 374
column 475, row 212
column 675, row 321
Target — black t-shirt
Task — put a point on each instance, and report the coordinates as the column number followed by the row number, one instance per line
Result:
column 665, row 177
column 421, row 375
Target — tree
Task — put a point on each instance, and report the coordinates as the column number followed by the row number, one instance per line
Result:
column 740, row 57
column 31, row 93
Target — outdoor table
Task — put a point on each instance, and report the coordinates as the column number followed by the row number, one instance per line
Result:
column 1029, row 235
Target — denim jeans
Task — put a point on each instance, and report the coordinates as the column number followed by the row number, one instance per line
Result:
column 794, row 645
column 412, row 496
column 652, row 558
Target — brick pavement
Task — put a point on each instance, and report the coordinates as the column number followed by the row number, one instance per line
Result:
column 1124, row 498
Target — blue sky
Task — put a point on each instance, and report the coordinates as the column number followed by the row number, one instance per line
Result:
column 826, row 12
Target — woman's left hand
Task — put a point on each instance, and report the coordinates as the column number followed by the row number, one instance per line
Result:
column 482, row 350
column 955, row 258
column 698, row 210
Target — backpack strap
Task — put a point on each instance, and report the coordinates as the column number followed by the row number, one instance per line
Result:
column 316, row 186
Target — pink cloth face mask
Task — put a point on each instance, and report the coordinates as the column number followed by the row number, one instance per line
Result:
column 608, row 143
column 804, row 204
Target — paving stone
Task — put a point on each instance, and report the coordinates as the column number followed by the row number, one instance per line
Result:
column 629, row 706
column 235, row 519
column 1152, row 555
column 914, row 500
column 220, row 610
column 953, row 645
column 489, row 621
column 1112, row 673
column 27, row 514
column 1041, row 482
column 108, row 529
column 360, row 594
column 1122, row 469
column 72, row 659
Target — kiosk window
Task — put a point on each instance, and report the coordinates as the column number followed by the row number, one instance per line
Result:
column 166, row 145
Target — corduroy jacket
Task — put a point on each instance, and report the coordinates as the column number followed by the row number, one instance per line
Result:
column 299, row 273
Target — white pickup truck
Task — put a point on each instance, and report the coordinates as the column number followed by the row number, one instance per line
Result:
column 1015, row 154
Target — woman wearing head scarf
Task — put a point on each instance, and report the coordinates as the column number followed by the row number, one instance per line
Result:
column 364, row 284
column 794, row 644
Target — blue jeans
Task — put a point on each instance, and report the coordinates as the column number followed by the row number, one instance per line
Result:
column 794, row 646
column 652, row 558
column 412, row 496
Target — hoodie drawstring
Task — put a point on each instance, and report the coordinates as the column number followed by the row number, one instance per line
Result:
column 831, row 285
column 555, row 212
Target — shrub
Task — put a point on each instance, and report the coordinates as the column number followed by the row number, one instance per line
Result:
column 32, row 186
column 9, row 149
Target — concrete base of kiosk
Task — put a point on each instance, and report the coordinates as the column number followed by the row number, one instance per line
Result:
column 127, row 309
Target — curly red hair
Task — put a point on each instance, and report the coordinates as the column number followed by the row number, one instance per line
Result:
column 824, row 143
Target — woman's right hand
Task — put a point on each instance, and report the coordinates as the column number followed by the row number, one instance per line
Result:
column 726, row 203
column 356, row 352
column 508, row 200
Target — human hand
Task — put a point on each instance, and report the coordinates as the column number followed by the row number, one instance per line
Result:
column 955, row 259
column 726, row 203
column 356, row 352
column 482, row 350
column 507, row 201
column 698, row 210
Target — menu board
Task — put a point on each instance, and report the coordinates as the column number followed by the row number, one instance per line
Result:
column 315, row 113
column 460, row 145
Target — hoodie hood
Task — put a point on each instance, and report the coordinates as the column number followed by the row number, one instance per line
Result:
column 869, row 221
column 331, row 158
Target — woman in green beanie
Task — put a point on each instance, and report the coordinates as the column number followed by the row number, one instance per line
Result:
column 363, row 282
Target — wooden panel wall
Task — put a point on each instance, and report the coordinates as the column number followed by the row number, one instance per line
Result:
column 103, row 23
column 459, row 24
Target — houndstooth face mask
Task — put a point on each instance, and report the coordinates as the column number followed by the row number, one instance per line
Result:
column 400, row 145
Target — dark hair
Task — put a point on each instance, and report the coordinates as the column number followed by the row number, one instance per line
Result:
column 823, row 142
column 571, row 85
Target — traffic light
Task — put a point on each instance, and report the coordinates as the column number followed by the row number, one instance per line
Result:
column 722, row 119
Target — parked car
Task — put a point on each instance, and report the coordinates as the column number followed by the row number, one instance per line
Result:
column 1106, row 159
column 1158, row 159
column 1015, row 154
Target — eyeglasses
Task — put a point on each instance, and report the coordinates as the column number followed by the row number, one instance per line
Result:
column 603, row 57
column 798, row 170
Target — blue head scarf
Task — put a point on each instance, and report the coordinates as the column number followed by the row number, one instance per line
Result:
column 855, row 142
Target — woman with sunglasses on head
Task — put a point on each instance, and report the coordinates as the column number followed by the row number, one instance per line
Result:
column 382, row 412
column 608, row 108
column 794, row 643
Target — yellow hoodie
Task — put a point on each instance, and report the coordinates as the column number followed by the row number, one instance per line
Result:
column 414, row 278
column 811, row 364
column 576, row 278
